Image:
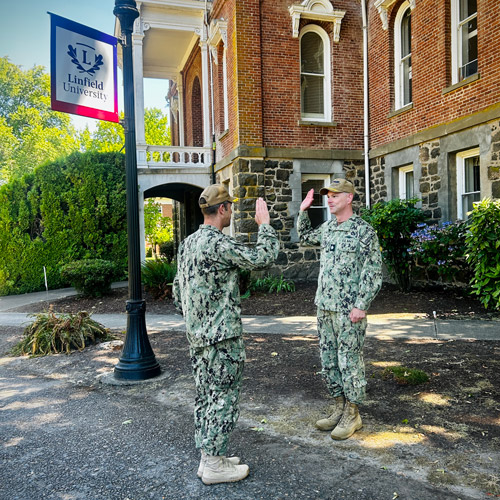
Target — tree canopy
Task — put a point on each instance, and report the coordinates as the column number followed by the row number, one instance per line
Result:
column 30, row 132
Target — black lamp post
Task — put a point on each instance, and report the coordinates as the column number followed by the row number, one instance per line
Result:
column 137, row 361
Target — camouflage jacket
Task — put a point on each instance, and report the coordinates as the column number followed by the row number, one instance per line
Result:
column 206, row 287
column 350, row 272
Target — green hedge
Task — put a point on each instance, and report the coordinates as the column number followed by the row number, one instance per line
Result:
column 69, row 210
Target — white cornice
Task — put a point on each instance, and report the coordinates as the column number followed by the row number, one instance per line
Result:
column 317, row 10
column 383, row 6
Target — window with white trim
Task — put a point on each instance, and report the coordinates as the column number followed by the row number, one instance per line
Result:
column 468, row 182
column 315, row 71
column 463, row 39
column 318, row 212
column 402, row 57
column 406, row 183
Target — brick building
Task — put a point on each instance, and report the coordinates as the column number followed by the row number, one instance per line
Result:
column 279, row 85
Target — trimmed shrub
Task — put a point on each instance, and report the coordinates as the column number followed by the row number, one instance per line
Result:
column 91, row 277
column 167, row 250
column 52, row 334
column 483, row 251
column 158, row 277
column 395, row 221
column 69, row 210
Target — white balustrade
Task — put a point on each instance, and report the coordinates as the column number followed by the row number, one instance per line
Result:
column 173, row 156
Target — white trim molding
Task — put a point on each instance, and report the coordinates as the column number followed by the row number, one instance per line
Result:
column 383, row 6
column 317, row 10
column 217, row 32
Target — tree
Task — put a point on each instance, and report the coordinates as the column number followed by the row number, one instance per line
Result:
column 158, row 229
column 110, row 137
column 30, row 132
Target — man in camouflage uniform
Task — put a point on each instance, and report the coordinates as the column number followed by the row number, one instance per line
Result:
column 206, row 287
column 350, row 277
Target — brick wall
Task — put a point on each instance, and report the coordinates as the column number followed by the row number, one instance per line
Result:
column 431, row 65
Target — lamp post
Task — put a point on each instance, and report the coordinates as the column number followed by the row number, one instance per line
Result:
column 137, row 360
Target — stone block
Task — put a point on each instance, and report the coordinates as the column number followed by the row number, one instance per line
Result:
column 287, row 164
column 433, row 168
column 433, row 198
column 493, row 173
column 257, row 165
column 279, row 207
column 310, row 255
column 436, row 213
column 271, row 164
column 277, row 224
column 241, row 166
column 282, row 175
column 495, row 189
column 435, row 152
column 424, row 154
column 282, row 259
column 425, row 187
column 247, row 179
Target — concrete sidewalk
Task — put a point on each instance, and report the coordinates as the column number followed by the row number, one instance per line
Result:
column 396, row 326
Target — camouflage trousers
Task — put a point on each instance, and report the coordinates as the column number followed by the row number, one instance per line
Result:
column 341, row 352
column 218, row 371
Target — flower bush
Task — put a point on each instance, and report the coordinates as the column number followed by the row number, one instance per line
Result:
column 441, row 251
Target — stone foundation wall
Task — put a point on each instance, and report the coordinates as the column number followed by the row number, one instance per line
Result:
column 494, row 160
column 430, row 181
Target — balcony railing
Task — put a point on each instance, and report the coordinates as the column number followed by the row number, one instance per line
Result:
column 173, row 157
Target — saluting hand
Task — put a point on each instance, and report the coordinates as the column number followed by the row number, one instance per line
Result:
column 308, row 200
column 261, row 212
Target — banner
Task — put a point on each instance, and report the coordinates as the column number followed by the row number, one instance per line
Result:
column 83, row 68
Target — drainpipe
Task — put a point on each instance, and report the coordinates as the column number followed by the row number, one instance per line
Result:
column 212, row 165
column 366, row 146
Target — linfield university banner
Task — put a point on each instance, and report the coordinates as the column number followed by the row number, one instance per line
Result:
column 83, row 70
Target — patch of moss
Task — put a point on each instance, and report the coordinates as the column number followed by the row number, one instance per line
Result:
column 405, row 376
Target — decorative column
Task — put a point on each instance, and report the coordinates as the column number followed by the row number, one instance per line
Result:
column 180, row 90
column 137, row 43
column 205, row 76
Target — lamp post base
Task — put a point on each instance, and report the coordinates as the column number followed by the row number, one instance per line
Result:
column 137, row 361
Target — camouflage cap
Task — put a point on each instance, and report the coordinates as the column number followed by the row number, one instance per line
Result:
column 213, row 195
column 338, row 186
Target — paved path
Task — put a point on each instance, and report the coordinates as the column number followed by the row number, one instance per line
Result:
column 382, row 325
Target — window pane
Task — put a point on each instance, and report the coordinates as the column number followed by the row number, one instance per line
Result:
column 467, row 8
column 409, row 185
column 467, row 203
column 469, row 48
column 407, row 81
column 317, row 216
column 406, row 34
column 471, row 175
column 315, row 184
column 311, row 54
column 312, row 94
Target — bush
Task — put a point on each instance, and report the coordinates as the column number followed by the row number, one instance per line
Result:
column 51, row 334
column 69, row 210
column 395, row 221
column 158, row 277
column 91, row 277
column 272, row 284
column 167, row 250
column 483, row 255
column 441, row 250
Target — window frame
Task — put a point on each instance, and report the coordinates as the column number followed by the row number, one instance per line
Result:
column 399, row 81
column 456, row 41
column 326, row 116
column 326, row 178
column 460, row 159
column 402, row 173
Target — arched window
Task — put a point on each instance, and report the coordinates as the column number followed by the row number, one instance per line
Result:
column 402, row 57
column 315, row 71
column 196, row 114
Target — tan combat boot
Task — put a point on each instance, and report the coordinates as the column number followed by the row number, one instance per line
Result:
column 201, row 468
column 329, row 423
column 349, row 423
column 221, row 470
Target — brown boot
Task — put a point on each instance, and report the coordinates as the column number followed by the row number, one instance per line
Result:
column 349, row 423
column 201, row 468
column 329, row 423
column 221, row 470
